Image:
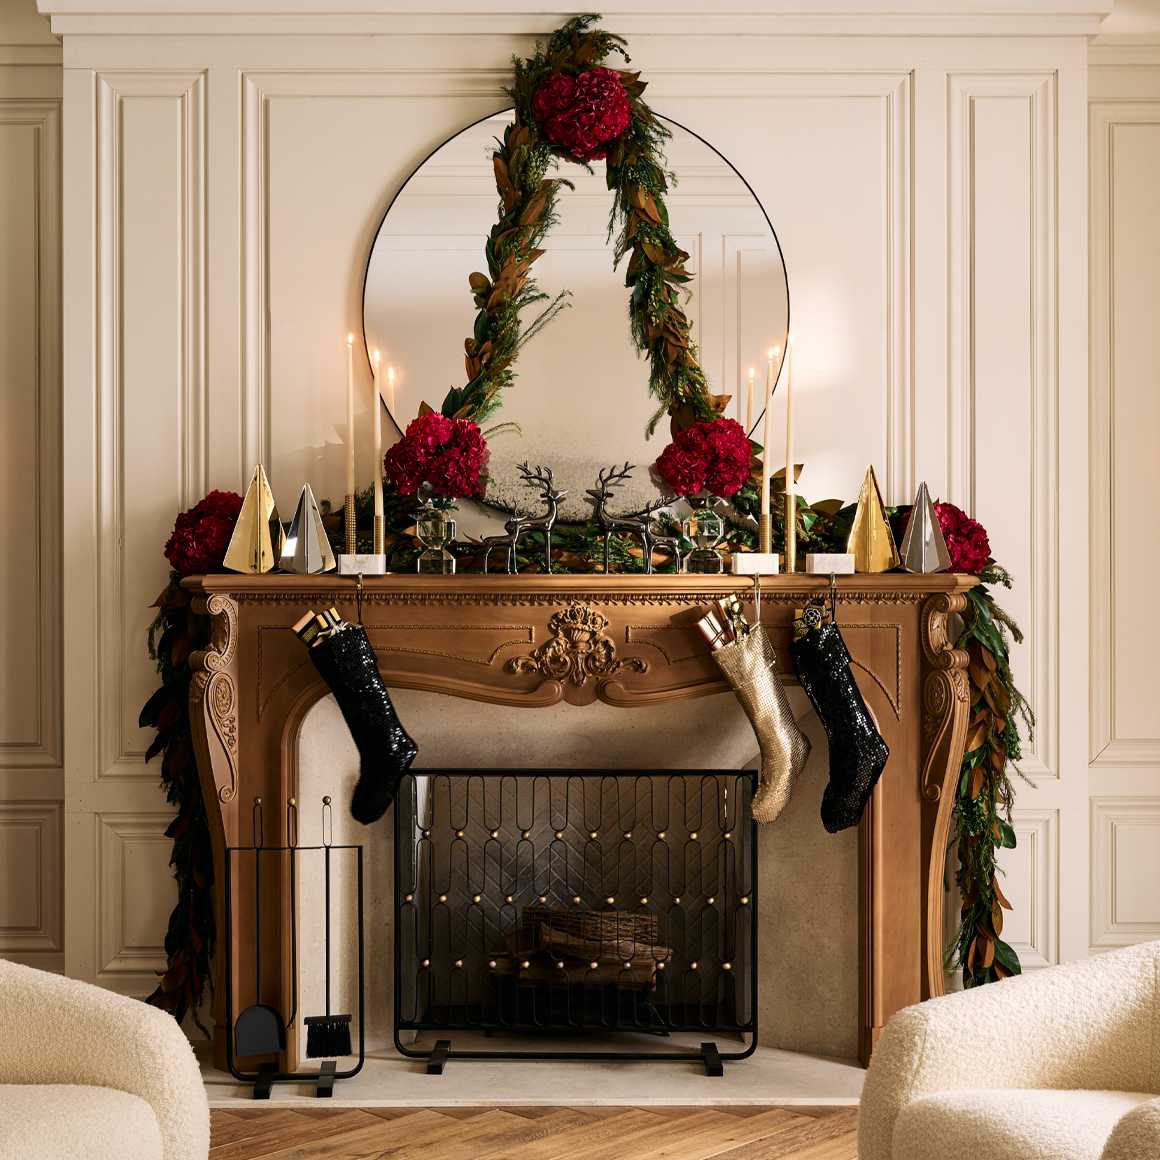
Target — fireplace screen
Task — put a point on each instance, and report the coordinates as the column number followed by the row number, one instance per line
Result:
column 575, row 902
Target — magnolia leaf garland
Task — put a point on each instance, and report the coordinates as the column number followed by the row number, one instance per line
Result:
column 982, row 820
column 655, row 275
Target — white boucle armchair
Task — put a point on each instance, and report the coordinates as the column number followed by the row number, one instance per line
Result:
column 88, row 1073
column 1062, row 1064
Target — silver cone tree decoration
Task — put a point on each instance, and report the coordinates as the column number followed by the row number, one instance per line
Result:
column 256, row 542
column 307, row 549
column 923, row 547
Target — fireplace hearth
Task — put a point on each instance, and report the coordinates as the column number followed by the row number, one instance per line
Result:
column 587, row 903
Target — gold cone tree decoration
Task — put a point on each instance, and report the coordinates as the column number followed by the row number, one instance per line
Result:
column 307, row 549
column 257, row 540
column 924, row 549
column 871, row 540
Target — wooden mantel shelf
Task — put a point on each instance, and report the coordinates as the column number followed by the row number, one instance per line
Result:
column 629, row 641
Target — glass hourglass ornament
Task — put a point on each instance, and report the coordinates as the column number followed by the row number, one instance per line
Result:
column 435, row 528
column 705, row 528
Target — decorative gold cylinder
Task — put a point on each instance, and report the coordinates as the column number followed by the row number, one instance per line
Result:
column 349, row 517
column 765, row 532
column 791, row 533
column 379, row 540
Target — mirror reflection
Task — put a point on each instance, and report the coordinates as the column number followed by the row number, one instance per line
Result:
column 580, row 400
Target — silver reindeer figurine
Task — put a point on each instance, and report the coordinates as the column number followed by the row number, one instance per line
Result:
column 540, row 478
column 642, row 523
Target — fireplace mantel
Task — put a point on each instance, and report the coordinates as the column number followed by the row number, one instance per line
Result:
column 630, row 641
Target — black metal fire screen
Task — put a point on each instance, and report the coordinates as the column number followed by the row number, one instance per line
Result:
column 572, row 902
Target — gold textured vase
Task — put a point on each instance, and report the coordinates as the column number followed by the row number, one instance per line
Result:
column 750, row 666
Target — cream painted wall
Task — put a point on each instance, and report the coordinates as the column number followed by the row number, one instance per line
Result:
column 927, row 174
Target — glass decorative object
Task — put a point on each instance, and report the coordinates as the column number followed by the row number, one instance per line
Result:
column 704, row 527
column 435, row 527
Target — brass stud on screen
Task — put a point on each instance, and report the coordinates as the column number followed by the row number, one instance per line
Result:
column 693, row 835
column 508, row 899
column 525, row 834
column 727, row 966
column 694, row 965
column 525, row 964
column 495, row 833
column 476, row 899
column 459, row 962
column 663, row 835
column 592, row 834
column 744, row 900
column 559, row 834
column 459, row 833
column 728, row 834
column 644, row 901
column 426, row 962
column 627, row 966
column 408, row 898
column 628, row 835
column 711, row 899
column 543, row 898
column 593, row 966
column 492, row 964
column 677, row 900
column 576, row 899
column 610, row 900
column 442, row 897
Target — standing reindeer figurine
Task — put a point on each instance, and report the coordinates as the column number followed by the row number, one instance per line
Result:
column 642, row 523
column 540, row 478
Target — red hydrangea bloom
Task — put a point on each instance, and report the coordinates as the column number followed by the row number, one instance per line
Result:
column 967, row 541
column 581, row 114
column 709, row 456
column 201, row 535
column 448, row 454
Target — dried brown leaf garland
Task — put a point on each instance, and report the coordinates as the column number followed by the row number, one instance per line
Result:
column 655, row 271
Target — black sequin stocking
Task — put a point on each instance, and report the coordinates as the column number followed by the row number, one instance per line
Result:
column 857, row 751
column 347, row 664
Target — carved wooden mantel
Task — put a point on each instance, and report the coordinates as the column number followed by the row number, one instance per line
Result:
column 629, row 641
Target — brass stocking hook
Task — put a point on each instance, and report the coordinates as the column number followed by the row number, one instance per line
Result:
column 358, row 596
column 833, row 598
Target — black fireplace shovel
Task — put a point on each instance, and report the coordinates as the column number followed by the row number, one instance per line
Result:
column 327, row 1036
column 259, row 1029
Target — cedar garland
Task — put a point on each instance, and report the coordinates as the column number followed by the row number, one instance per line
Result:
column 656, row 271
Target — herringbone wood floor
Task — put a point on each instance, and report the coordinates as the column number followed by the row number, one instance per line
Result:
column 723, row 1133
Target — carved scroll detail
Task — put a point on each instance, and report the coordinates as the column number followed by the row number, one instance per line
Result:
column 213, row 692
column 578, row 650
column 945, row 694
column 945, row 707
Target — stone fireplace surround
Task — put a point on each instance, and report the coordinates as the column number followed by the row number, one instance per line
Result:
column 499, row 643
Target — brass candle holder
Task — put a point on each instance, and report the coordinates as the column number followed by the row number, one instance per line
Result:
column 379, row 538
column 790, row 532
column 349, row 523
column 765, row 532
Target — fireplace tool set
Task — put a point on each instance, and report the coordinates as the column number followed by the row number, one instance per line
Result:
column 260, row 1030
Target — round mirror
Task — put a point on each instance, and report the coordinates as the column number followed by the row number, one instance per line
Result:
column 580, row 400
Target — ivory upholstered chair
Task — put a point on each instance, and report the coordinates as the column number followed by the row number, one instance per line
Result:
column 1062, row 1064
column 87, row 1073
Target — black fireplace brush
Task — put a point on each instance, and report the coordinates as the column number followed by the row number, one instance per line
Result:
column 327, row 1036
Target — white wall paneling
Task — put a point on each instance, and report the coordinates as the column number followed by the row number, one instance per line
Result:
column 1124, row 489
column 31, row 702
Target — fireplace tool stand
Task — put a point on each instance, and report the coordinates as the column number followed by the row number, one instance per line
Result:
column 266, row 1036
column 575, row 902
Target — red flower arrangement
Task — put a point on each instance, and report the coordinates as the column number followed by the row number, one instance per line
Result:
column 581, row 114
column 710, row 456
column 967, row 541
column 448, row 454
column 201, row 535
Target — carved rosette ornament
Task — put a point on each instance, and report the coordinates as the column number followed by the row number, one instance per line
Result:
column 578, row 650
column 213, row 692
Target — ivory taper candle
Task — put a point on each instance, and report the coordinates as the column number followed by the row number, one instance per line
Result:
column 377, row 428
column 749, row 402
column 790, row 485
column 767, row 436
column 391, row 390
column 350, row 414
